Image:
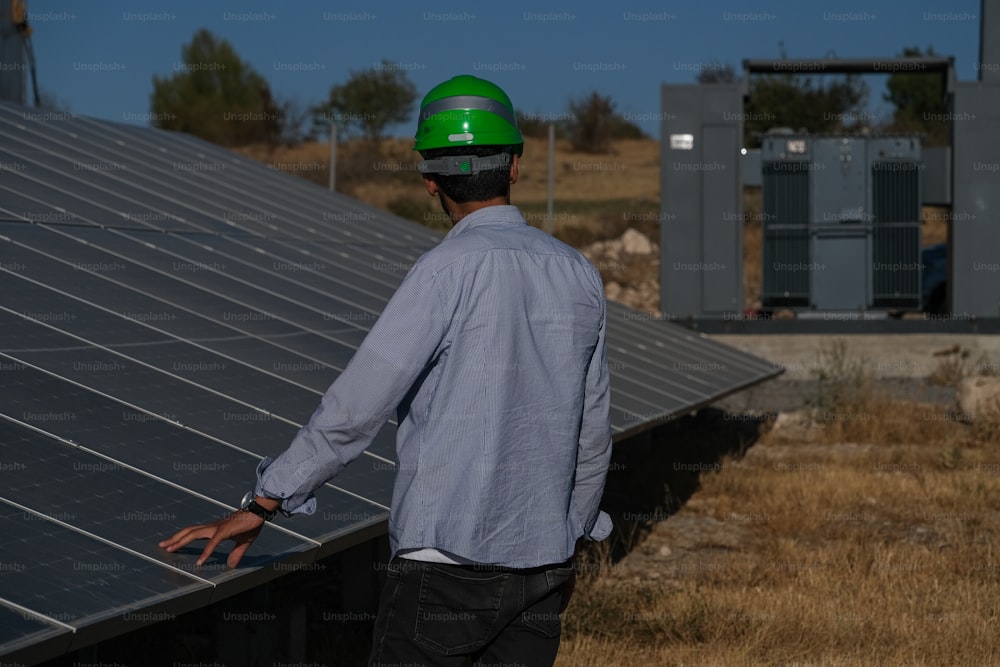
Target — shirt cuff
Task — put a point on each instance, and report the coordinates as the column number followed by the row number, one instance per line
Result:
column 602, row 527
column 290, row 504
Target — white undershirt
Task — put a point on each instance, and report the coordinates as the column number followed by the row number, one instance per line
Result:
column 431, row 555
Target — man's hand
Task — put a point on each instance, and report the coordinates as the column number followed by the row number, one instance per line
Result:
column 240, row 527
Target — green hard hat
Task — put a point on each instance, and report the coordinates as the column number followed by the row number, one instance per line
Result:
column 467, row 111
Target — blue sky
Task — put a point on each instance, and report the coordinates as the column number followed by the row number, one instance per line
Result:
column 100, row 57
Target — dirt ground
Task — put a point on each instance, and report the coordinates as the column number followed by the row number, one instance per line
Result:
column 693, row 539
column 901, row 368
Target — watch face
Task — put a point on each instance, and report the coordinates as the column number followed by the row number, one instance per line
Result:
column 247, row 499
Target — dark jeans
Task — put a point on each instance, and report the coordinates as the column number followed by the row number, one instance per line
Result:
column 461, row 615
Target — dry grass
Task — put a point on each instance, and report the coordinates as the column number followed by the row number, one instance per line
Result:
column 753, row 248
column 597, row 197
column 632, row 172
column 948, row 372
column 875, row 543
column 382, row 172
column 956, row 363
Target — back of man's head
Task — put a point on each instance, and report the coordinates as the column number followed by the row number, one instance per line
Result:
column 480, row 186
column 467, row 134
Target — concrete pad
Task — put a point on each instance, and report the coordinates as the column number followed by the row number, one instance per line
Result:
column 883, row 356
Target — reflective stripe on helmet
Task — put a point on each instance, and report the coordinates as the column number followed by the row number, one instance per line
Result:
column 457, row 102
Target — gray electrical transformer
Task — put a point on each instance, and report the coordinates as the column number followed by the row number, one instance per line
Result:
column 841, row 222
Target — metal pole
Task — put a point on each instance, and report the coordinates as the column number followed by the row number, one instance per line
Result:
column 549, row 225
column 333, row 156
column 989, row 32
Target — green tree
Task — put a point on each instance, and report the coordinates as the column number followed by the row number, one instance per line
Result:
column 368, row 102
column 791, row 99
column 716, row 72
column 216, row 96
column 594, row 124
column 919, row 100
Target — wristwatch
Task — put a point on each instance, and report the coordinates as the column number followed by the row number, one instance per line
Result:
column 249, row 503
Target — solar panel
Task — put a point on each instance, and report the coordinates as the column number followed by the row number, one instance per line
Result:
column 170, row 312
column 655, row 378
column 181, row 293
column 124, row 303
column 158, row 446
column 104, row 498
column 217, row 415
column 69, row 576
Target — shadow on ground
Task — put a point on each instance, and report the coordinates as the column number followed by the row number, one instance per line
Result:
column 653, row 475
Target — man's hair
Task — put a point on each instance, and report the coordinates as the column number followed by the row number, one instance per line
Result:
column 481, row 186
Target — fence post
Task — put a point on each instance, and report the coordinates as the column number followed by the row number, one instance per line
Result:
column 333, row 156
column 549, row 223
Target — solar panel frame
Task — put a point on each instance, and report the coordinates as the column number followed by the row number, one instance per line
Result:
column 28, row 637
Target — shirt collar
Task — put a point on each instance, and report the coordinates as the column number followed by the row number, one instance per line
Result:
column 484, row 216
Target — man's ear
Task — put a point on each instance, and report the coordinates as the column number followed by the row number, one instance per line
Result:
column 432, row 187
column 513, row 169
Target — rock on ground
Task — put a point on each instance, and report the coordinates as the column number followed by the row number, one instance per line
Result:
column 630, row 267
column 978, row 397
column 636, row 243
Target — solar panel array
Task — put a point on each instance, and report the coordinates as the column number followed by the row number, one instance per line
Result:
column 171, row 312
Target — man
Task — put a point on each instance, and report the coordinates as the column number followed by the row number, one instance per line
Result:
column 492, row 352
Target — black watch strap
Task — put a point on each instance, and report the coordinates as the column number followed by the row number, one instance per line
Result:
column 250, row 505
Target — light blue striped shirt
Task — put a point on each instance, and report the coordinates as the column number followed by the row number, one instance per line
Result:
column 492, row 352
